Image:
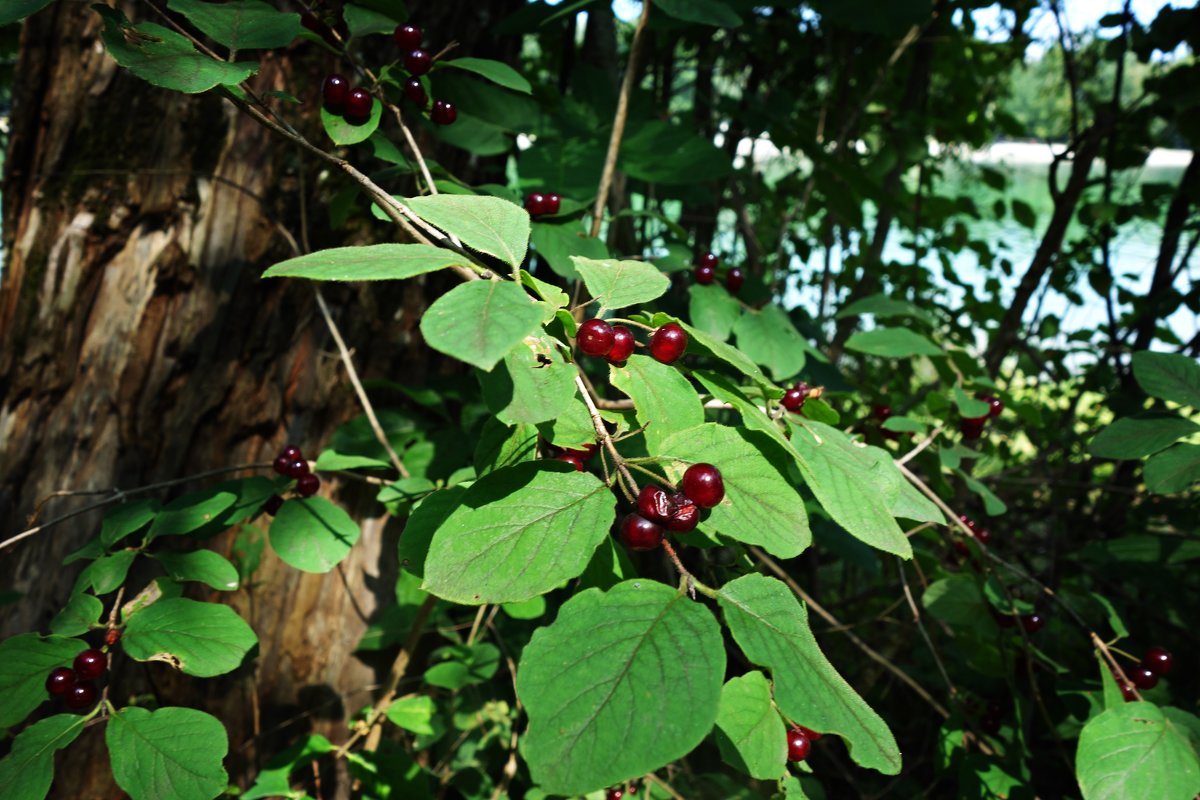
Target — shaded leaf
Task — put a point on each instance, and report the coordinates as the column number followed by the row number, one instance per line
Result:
column 312, row 534
column 375, row 262
column 663, row 399
column 201, row 639
column 171, row 752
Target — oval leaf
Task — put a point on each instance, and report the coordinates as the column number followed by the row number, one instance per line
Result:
column 241, row 24
column 82, row 611
column 376, row 262
column 665, row 401
column 171, row 752
column 1131, row 752
column 617, row 284
column 892, row 343
column 622, row 683
column 1140, row 436
column 27, row 772
column 312, row 534
column 495, row 71
column 750, row 733
column 1168, row 376
column 343, row 132
column 770, row 339
column 479, row 322
column 201, row 639
column 201, row 565
column 490, row 225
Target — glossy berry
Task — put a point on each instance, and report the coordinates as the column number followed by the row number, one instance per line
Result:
column 798, row 745
column 881, row 413
column 1032, row 623
column 614, row 794
column 983, row 536
column 703, row 485
column 297, row 469
column 281, row 464
column 307, row 485
column 970, row 523
column 704, row 275
column 291, row 452
column 595, row 338
column 417, row 62
column 655, row 504
column 995, row 404
column 685, row 516
column 708, row 260
column 553, row 203
column 623, row 344
column 793, row 398
column 734, row 280
column 358, row 106
column 1142, row 677
column 1158, row 660
column 334, row 92
column 90, row 664
column 415, row 92
column 60, row 680
column 639, row 533
column 535, row 204
column 408, row 37
column 571, row 458
column 81, row 696
column 809, row 733
column 444, row 113
column 273, row 504
column 668, row 343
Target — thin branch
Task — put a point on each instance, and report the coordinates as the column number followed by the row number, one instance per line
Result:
column 631, row 489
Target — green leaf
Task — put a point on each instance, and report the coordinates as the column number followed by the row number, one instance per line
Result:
column 171, row 752
column 488, row 224
column 82, row 611
column 481, row 321
column 713, row 310
column 495, row 71
column 423, row 523
column 884, row 307
column 818, row 410
column 1140, row 436
column 502, row 446
column 658, row 151
column 701, row 342
column 312, row 534
column 273, row 780
column 1168, row 376
column 992, row 504
column 771, row 627
column 191, row 512
column 1173, row 470
column 205, row 566
column 127, row 518
column 620, row 684
column 664, row 400
column 27, row 772
column 106, row 573
column 848, row 483
column 617, row 284
column 1132, row 751
column 556, row 243
column 345, row 133
column 375, row 262
column 892, row 343
column 969, row 407
column 165, row 58
column 365, row 21
column 956, row 600
column 518, row 533
column 770, row 339
column 1024, row 214
column 241, row 24
column 532, row 384
column 14, row 10
column 25, row 660
column 412, row 712
column 760, row 507
column 705, row 12
column 463, row 665
column 201, row 639
column 750, row 734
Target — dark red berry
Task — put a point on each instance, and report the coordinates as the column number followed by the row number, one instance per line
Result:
column 983, row 536
column 81, row 696
column 639, row 533
column 415, row 92
column 444, row 113
column 595, row 338
column 1005, row 620
column 668, row 343
column 418, row 62
column 571, row 458
column 60, row 680
column 273, row 504
column 281, row 464
column 809, row 733
column 654, row 504
column 291, row 452
column 1142, row 677
column 1158, row 660
column 798, row 745
column 1032, row 623
column 970, row 523
column 297, row 469
column 358, row 106
column 334, row 92
column 961, row 548
column 623, row 344
column 704, row 275
column 703, row 485
column 734, row 280
column 553, row 203
column 995, row 404
column 708, row 260
column 535, row 204
column 408, row 37
column 90, row 664
column 685, row 516
column 972, row 428
column 1127, row 690
column 614, row 794
column 990, row 725
column 793, row 398
column 112, row 636
column 882, row 413
column 307, row 485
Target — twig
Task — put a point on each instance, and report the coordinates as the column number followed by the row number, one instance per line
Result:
column 1116, row 668
column 631, row 490
column 928, row 440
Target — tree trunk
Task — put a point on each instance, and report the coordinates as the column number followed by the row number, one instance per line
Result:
column 138, row 344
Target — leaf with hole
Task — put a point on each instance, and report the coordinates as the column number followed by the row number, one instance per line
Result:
column 201, row 639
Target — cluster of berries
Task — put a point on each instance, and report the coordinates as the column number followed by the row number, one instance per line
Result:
column 981, row 535
column 1031, row 623
column 701, row 487
column 599, row 339
column 972, row 427
column 705, row 272
column 354, row 105
column 539, row 204
column 1156, row 662
column 793, row 398
column 576, row 457
column 417, row 62
column 291, row 464
column 882, row 414
column 799, row 741
column 76, row 686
